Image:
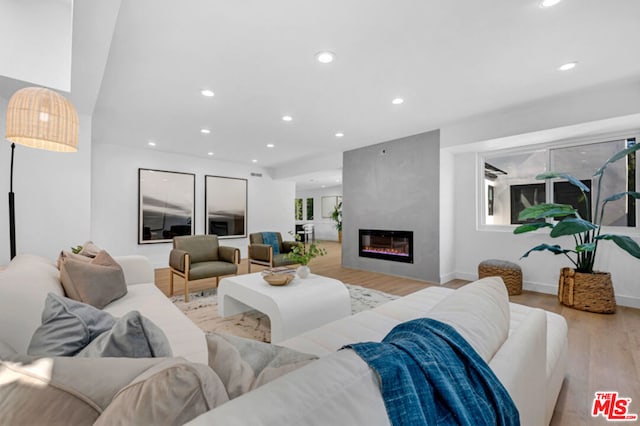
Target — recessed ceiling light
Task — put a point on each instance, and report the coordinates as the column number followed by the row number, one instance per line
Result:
column 323, row 186
column 548, row 3
column 208, row 93
column 397, row 101
column 325, row 57
column 339, row 135
column 287, row 118
column 270, row 145
column 209, row 153
column 568, row 66
column 254, row 161
column 205, row 131
column 338, row 180
column 151, row 143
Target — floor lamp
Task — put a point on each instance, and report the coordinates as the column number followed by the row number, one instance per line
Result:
column 38, row 118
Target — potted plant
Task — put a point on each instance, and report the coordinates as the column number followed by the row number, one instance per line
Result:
column 336, row 216
column 581, row 287
column 303, row 255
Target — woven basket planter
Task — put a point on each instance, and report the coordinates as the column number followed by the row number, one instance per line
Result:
column 587, row 292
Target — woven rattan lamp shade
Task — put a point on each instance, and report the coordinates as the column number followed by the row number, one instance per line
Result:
column 41, row 118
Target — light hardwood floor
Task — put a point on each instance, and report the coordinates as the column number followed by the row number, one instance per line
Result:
column 604, row 350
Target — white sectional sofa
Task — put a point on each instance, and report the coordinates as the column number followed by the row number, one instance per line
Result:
column 338, row 388
column 25, row 282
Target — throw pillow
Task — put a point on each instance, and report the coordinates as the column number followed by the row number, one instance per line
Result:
column 31, row 396
column 89, row 249
column 63, row 390
column 64, row 255
column 98, row 282
column 172, row 392
column 67, row 327
column 132, row 336
column 245, row 364
column 6, row 350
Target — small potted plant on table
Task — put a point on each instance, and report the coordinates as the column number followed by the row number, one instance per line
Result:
column 303, row 255
column 581, row 287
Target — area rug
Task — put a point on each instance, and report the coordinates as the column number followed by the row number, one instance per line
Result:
column 202, row 309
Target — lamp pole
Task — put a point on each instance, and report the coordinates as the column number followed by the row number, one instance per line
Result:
column 12, row 208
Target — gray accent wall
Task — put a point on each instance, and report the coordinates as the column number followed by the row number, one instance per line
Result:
column 394, row 185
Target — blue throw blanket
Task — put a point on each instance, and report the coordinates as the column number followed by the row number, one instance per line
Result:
column 271, row 239
column 430, row 375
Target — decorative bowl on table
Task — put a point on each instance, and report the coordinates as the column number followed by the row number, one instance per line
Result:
column 278, row 279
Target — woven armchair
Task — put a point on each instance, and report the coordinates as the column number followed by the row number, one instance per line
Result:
column 263, row 254
column 197, row 257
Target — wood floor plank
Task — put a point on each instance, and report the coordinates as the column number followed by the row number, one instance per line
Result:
column 604, row 350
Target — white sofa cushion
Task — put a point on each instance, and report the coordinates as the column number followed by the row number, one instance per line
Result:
column 479, row 312
column 337, row 389
column 171, row 392
column 25, row 285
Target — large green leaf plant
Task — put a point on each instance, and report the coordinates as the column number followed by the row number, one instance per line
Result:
column 587, row 233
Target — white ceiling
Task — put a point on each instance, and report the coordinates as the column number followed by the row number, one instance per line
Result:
column 448, row 60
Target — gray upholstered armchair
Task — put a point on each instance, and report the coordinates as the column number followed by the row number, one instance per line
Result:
column 261, row 253
column 196, row 257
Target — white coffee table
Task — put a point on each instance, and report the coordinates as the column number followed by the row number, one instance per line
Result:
column 301, row 305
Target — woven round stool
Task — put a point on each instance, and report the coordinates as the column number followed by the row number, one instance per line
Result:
column 510, row 273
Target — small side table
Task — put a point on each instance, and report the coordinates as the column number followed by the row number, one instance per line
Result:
column 510, row 273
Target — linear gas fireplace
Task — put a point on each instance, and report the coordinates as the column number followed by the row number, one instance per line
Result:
column 388, row 245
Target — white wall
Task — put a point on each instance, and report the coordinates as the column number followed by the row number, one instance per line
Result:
column 36, row 43
column 594, row 111
column 540, row 270
column 114, row 222
column 447, row 220
column 52, row 195
column 325, row 227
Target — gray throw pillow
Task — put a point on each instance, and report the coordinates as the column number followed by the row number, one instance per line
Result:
column 67, row 327
column 97, row 282
column 132, row 336
column 6, row 350
column 245, row 364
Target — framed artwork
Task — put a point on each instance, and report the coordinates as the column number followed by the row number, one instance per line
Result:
column 225, row 201
column 328, row 204
column 166, row 205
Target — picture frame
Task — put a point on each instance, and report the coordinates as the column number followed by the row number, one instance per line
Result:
column 225, row 201
column 166, row 205
column 327, row 204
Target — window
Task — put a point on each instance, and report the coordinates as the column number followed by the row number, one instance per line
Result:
column 309, row 208
column 510, row 184
column 298, row 208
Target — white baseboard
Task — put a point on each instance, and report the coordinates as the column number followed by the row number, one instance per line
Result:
column 465, row 276
column 621, row 300
column 447, row 277
column 628, row 301
column 540, row 287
